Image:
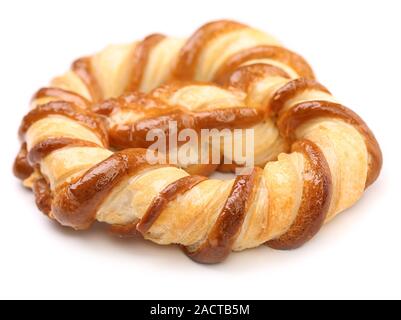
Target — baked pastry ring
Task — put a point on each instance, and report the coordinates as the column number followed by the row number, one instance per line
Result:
column 315, row 156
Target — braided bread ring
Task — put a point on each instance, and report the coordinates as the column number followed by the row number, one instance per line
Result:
column 226, row 75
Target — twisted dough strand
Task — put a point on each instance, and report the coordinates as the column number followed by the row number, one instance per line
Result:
column 77, row 180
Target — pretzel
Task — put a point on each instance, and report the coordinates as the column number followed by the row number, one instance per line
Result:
column 83, row 146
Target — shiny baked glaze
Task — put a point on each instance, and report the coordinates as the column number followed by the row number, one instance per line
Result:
column 134, row 134
column 280, row 54
column 306, row 111
column 140, row 59
column 290, row 90
column 63, row 95
column 138, row 102
column 125, row 231
column 76, row 203
column 244, row 76
column 164, row 92
column 43, row 196
column 83, row 69
column 45, row 147
column 221, row 238
column 170, row 193
column 316, row 197
column 154, row 113
column 69, row 110
column 201, row 169
column 190, row 52
column 21, row 168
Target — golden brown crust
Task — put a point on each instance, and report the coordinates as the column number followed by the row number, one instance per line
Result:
column 316, row 197
column 43, row 196
column 133, row 135
column 170, row 193
column 69, row 110
column 280, row 54
column 283, row 205
column 63, row 95
column 189, row 54
column 83, row 69
column 201, row 169
column 221, row 238
column 136, row 101
column 289, row 90
column 140, row 59
column 75, row 203
column 125, row 231
column 45, row 147
column 242, row 77
column 21, row 168
column 306, row 111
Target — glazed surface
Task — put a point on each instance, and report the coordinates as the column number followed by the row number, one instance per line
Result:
column 82, row 143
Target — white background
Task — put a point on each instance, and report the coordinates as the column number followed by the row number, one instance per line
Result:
column 354, row 47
